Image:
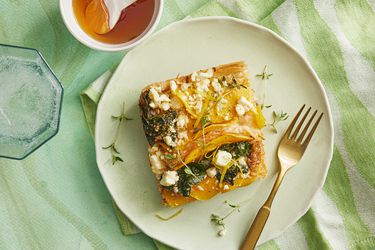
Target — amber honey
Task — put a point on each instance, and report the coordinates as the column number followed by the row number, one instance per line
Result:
column 133, row 21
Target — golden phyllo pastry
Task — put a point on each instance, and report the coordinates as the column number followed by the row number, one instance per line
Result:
column 204, row 133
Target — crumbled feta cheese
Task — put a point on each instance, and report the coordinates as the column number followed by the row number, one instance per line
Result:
column 240, row 110
column 154, row 95
column 202, row 86
column 246, row 103
column 194, row 76
column 211, row 172
column 182, row 121
column 242, row 161
column 157, row 165
column 208, row 74
column 171, row 128
column 182, row 135
column 198, row 106
column 153, row 149
column 169, row 178
column 165, row 106
column 175, row 190
column 243, row 106
column 206, row 82
column 173, row 85
column 219, row 107
column 184, row 86
column 222, row 158
column 226, row 187
column 164, row 98
column 243, row 176
column 216, row 85
column 168, row 140
column 222, row 232
column 159, row 101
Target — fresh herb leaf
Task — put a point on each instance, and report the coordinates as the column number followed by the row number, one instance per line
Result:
column 268, row 106
column 205, row 119
column 278, row 117
column 219, row 221
column 121, row 118
column 169, row 157
column 116, row 158
column 107, row 147
column 189, row 172
column 115, row 149
column 115, row 154
column 264, row 75
column 236, row 84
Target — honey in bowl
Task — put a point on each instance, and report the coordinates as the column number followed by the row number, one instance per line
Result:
column 133, row 21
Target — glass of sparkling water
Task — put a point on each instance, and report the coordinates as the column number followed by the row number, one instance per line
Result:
column 30, row 101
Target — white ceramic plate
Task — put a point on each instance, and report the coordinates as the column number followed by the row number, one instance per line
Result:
column 194, row 44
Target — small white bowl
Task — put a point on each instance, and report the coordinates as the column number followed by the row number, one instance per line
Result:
column 67, row 12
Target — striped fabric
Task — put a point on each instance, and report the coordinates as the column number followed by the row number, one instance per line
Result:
column 55, row 199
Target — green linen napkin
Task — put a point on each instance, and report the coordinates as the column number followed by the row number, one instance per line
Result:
column 335, row 37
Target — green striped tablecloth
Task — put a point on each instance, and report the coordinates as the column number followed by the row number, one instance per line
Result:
column 55, row 199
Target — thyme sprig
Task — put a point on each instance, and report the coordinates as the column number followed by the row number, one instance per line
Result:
column 278, row 117
column 264, row 75
column 115, row 154
column 236, row 84
column 169, row 157
column 188, row 171
column 219, row 221
column 204, row 121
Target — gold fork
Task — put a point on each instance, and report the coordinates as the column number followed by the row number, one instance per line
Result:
column 290, row 151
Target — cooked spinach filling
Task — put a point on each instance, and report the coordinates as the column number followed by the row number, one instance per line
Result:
column 237, row 149
column 232, row 173
column 158, row 125
column 193, row 173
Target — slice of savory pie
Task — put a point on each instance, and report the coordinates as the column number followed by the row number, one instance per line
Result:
column 204, row 133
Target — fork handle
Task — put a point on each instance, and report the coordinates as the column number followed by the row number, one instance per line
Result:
column 256, row 228
column 260, row 220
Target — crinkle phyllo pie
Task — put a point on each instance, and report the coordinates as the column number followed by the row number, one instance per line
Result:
column 204, row 133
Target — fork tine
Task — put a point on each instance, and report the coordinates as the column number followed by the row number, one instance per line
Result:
column 294, row 136
column 310, row 135
column 300, row 138
column 290, row 128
